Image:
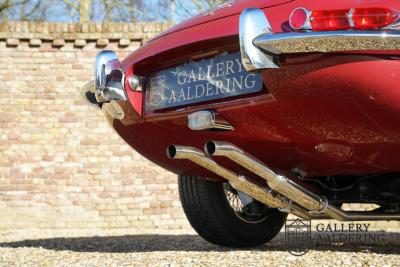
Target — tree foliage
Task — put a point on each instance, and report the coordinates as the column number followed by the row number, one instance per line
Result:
column 103, row 10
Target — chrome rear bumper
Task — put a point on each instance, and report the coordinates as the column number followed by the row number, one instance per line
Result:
column 260, row 47
column 329, row 41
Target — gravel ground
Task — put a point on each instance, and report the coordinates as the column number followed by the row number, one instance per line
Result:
column 175, row 248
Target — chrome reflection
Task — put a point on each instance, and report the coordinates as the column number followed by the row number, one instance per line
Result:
column 236, row 181
column 115, row 110
column 307, row 23
column 260, row 47
column 317, row 205
column 121, row 111
column 208, row 120
column 109, row 77
column 136, row 83
column 253, row 23
column 328, row 41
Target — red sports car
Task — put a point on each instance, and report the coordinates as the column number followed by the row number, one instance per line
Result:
column 265, row 108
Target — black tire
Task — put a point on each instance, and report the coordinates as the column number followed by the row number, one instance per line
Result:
column 210, row 214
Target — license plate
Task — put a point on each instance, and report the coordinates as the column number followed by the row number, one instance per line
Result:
column 220, row 77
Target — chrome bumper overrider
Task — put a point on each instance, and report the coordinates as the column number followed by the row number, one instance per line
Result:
column 107, row 90
column 260, row 47
column 109, row 80
column 114, row 108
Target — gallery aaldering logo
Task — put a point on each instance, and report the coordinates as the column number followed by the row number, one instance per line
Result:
column 157, row 90
column 297, row 236
column 351, row 233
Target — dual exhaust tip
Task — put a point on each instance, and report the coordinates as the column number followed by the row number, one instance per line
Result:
column 210, row 149
column 307, row 204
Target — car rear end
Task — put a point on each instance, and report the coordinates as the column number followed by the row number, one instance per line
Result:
column 286, row 99
column 306, row 92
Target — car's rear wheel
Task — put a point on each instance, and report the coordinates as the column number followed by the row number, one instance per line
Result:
column 226, row 217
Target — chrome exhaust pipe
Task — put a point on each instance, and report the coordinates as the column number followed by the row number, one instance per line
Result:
column 238, row 182
column 277, row 182
column 341, row 215
column 316, row 204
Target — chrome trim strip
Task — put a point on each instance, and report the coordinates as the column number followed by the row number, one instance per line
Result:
column 328, row 41
column 212, row 10
column 350, row 17
column 253, row 23
column 393, row 26
column 307, row 23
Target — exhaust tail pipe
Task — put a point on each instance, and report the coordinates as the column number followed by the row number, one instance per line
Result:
column 277, row 182
column 238, row 182
column 314, row 203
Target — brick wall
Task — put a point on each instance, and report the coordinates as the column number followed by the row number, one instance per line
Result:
column 54, row 172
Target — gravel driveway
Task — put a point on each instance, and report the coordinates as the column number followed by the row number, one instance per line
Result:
column 174, row 248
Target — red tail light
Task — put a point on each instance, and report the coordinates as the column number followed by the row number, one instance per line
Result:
column 326, row 20
column 373, row 18
column 343, row 19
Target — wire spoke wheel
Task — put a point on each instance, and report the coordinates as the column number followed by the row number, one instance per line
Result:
column 224, row 216
column 245, row 207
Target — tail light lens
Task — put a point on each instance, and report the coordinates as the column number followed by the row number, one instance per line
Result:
column 326, row 20
column 343, row 19
column 373, row 18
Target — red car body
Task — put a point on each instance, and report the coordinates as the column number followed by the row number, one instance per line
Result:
column 326, row 114
column 298, row 112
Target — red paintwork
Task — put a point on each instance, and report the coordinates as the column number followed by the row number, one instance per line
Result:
column 235, row 9
column 327, row 114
